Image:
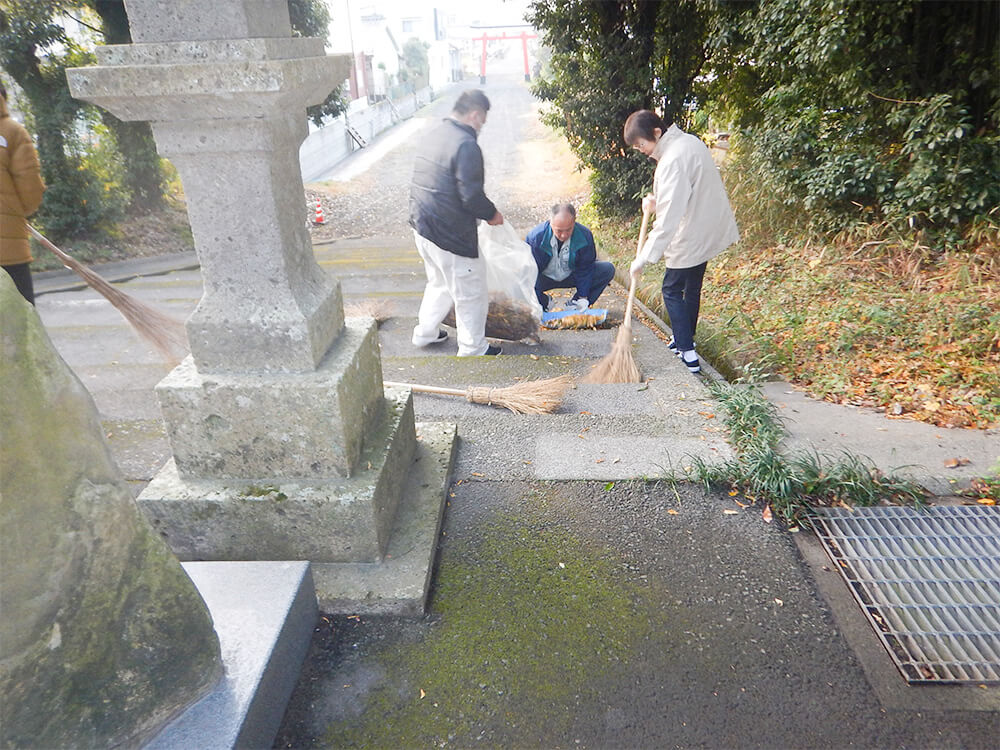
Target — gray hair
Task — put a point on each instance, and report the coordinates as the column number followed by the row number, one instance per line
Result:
column 469, row 100
column 564, row 208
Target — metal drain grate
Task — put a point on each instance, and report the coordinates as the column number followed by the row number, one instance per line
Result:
column 929, row 582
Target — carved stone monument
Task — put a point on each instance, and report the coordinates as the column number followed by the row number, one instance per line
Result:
column 103, row 637
column 285, row 446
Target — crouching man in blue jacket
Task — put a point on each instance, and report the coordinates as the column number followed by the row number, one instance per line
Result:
column 567, row 259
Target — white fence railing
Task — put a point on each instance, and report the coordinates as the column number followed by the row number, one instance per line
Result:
column 326, row 146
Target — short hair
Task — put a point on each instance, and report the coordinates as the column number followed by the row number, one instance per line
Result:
column 470, row 100
column 641, row 124
column 567, row 208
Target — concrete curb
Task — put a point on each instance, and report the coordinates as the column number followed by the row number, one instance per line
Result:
column 63, row 280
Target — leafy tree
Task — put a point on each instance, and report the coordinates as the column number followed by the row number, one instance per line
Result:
column 609, row 59
column 75, row 202
column 874, row 110
column 312, row 18
column 309, row 17
column 416, row 67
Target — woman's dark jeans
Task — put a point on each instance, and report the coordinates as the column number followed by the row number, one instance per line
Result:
column 682, row 298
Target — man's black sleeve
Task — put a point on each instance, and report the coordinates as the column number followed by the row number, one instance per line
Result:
column 469, row 175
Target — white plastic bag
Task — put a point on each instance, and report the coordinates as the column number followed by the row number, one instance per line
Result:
column 514, row 313
column 510, row 268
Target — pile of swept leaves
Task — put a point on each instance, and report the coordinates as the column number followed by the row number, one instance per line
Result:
column 866, row 321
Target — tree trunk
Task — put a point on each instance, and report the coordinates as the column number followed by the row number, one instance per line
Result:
column 143, row 175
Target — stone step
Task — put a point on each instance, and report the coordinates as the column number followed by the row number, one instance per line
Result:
column 264, row 614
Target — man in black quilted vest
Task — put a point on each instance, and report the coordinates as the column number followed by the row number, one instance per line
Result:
column 446, row 201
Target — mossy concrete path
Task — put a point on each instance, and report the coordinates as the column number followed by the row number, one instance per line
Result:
column 582, row 597
column 574, row 604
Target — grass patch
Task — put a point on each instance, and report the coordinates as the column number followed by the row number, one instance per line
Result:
column 791, row 484
column 529, row 620
column 862, row 318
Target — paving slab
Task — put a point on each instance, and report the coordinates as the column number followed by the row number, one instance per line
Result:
column 921, row 451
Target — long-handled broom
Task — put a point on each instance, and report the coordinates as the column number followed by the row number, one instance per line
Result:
column 619, row 365
column 166, row 334
column 529, row 397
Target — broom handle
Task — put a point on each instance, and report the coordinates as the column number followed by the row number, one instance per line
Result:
column 45, row 241
column 631, row 286
column 425, row 388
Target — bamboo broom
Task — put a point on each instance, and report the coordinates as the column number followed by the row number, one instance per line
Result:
column 529, row 397
column 163, row 332
column 380, row 309
column 619, row 365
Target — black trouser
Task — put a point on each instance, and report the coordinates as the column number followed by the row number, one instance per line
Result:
column 682, row 298
column 21, row 274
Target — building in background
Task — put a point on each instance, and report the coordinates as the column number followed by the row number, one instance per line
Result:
column 376, row 33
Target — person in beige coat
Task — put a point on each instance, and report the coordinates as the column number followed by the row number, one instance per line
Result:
column 21, row 190
column 694, row 221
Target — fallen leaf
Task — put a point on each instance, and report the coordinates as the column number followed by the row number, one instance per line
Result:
column 779, row 602
column 953, row 463
column 672, row 512
column 986, row 501
column 477, row 474
column 766, row 514
column 422, row 693
column 599, row 461
column 730, row 512
column 585, row 412
column 609, row 486
column 733, row 493
column 742, row 505
column 707, row 414
column 533, row 356
column 562, row 565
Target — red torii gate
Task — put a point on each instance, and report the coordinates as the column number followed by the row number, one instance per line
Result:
column 524, row 36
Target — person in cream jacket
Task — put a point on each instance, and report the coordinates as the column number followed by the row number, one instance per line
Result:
column 694, row 221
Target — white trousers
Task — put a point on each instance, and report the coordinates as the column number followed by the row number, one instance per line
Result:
column 458, row 281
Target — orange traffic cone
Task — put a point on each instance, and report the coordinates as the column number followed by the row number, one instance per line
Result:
column 319, row 218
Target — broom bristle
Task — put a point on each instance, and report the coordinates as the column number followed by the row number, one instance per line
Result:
column 380, row 309
column 164, row 333
column 579, row 320
column 618, row 366
column 529, row 397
